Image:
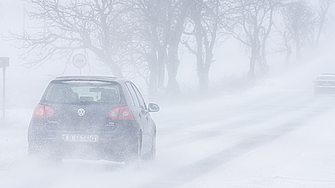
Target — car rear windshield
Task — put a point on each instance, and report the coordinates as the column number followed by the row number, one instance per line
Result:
column 82, row 91
column 326, row 78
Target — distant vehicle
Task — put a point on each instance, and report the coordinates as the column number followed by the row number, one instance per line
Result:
column 93, row 117
column 324, row 84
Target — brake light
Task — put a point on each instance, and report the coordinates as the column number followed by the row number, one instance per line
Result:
column 43, row 111
column 121, row 113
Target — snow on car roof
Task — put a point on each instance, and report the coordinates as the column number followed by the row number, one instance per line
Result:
column 327, row 74
column 326, row 77
column 95, row 78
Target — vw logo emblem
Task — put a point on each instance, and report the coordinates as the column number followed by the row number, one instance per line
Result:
column 81, row 112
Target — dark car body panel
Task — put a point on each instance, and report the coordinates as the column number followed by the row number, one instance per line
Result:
column 324, row 84
column 116, row 139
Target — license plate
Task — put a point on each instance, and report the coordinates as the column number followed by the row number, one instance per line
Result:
column 80, row 138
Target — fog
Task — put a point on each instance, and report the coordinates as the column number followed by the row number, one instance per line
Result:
column 272, row 132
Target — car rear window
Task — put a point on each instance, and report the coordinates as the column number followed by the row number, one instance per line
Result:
column 326, row 78
column 83, row 91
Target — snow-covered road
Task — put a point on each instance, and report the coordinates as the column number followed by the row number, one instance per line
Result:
column 276, row 134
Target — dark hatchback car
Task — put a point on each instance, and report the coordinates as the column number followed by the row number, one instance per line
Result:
column 324, row 84
column 93, row 117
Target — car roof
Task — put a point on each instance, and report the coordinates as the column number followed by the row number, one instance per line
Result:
column 326, row 77
column 327, row 74
column 90, row 78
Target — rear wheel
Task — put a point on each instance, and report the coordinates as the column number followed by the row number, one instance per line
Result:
column 153, row 148
column 35, row 148
column 44, row 152
column 32, row 150
column 139, row 149
column 135, row 152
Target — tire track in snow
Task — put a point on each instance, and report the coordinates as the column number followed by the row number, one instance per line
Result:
column 220, row 127
column 191, row 172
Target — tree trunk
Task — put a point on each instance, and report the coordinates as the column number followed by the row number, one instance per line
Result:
column 288, row 50
column 153, row 77
column 298, row 47
column 287, row 58
column 253, row 58
column 199, row 52
column 116, row 70
column 173, row 88
column 203, row 81
column 265, row 66
column 162, row 61
column 173, row 46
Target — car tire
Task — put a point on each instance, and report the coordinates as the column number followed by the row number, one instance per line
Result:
column 153, row 148
column 35, row 148
column 55, row 155
column 139, row 150
column 134, row 154
column 32, row 150
column 39, row 151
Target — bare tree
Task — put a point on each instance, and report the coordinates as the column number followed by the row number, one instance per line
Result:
column 176, row 15
column 99, row 26
column 150, row 16
column 202, row 31
column 285, row 47
column 253, row 24
column 322, row 11
column 160, row 24
column 123, row 34
column 300, row 22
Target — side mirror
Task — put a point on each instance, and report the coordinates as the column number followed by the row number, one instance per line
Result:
column 153, row 107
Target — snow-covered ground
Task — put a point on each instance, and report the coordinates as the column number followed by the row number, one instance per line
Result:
column 275, row 134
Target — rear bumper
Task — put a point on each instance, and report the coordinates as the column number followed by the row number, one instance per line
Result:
column 63, row 150
column 324, row 90
column 113, row 144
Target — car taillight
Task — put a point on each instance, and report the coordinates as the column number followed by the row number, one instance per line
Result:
column 121, row 113
column 43, row 111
